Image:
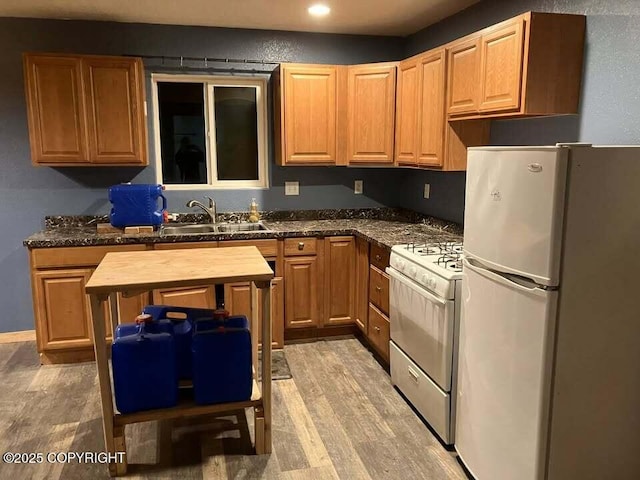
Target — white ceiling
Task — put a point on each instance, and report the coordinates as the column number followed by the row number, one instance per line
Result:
column 375, row 17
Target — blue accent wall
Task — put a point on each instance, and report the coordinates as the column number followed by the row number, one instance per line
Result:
column 610, row 104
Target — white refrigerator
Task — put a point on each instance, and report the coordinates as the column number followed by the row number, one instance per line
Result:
column 549, row 351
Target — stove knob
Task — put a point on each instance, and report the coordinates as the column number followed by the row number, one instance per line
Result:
column 425, row 279
column 400, row 264
column 432, row 282
column 413, row 271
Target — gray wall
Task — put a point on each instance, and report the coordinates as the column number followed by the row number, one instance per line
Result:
column 27, row 194
column 610, row 104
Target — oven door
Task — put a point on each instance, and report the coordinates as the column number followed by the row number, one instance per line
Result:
column 422, row 325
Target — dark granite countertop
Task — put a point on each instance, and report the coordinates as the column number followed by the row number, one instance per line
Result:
column 383, row 229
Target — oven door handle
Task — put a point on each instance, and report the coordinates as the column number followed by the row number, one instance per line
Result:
column 393, row 273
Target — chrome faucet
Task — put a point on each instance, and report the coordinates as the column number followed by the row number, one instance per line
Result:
column 211, row 210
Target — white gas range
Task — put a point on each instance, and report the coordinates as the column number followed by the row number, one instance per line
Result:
column 425, row 282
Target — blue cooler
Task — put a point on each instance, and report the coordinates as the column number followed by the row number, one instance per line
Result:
column 144, row 369
column 135, row 205
column 222, row 361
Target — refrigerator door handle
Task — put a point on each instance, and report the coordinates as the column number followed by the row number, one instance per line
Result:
column 501, row 279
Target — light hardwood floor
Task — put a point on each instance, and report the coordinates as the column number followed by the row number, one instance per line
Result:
column 339, row 417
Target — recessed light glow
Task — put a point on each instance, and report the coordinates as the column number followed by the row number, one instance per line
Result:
column 319, row 10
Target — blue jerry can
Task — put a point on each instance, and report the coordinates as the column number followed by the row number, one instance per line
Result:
column 182, row 319
column 222, row 361
column 134, row 205
column 144, row 369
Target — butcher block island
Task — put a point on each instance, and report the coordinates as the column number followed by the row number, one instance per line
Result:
column 129, row 274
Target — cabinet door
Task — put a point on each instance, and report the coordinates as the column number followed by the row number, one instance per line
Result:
column 339, row 280
column 309, row 114
column 464, row 66
column 362, row 283
column 55, row 107
column 196, row 297
column 371, row 98
column 114, row 92
column 301, row 292
column 432, row 115
column 501, row 71
column 130, row 308
column 407, row 107
column 62, row 309
column 237, row 297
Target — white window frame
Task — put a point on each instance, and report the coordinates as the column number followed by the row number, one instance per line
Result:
column 210, row 82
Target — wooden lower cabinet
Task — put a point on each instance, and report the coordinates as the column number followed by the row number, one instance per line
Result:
column 362, row 283
column 378, row 331
column 237, row 297
column 63, row 313
column 194, row 297
column 379, row 289
column 129, row 308
column 62, row 310
column 301, row 292
column 339, row 280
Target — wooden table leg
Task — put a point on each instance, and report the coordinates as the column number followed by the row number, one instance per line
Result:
column 254, row 327
column 263, row 418
column 98, row 303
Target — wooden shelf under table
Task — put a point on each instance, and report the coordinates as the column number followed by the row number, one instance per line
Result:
column 188, row 408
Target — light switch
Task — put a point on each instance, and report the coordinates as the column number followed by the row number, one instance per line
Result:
column 292, row 188
column 357, row 187
column 427, row 190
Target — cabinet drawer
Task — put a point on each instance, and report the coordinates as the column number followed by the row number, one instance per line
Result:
column 378, row 332
column 379, row 289
column 76, row 256
column 380, row 256
column 299, row 246
column 268, row 248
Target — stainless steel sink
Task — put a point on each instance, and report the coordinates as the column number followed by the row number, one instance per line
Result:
column 200, row 228
column 240, row 227
column 186, row 229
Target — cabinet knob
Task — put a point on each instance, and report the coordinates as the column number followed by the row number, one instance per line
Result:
column 378, row 257
column 378, row 288
column 300, row 245
column 377, row 329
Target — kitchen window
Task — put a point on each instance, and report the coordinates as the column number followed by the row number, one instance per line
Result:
column 210, row 132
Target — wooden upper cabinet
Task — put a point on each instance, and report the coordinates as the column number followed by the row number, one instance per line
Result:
column 431, row 114
column 371, row 113
column 407, row 108
column 501, row 67
column 530, row 65
column 464, row 65
column 85, row 110
column 115, row 110
column 308, row 114
column 55, row 102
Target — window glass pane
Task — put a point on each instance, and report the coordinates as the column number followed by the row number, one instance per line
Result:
column 236, row 133
column 182, row 132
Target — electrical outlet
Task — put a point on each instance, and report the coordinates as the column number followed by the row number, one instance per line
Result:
column 427, row 190
column 292, row 188
column 357, row 187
